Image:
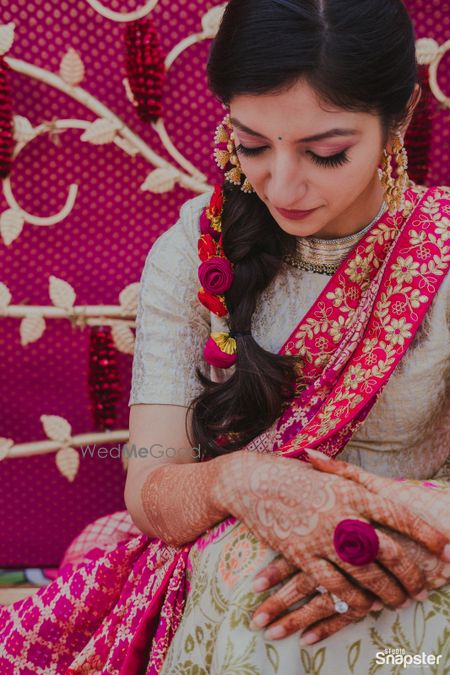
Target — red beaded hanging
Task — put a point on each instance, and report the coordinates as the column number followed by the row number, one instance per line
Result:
column 103, row 378
column 145, row 67
column 6, row 120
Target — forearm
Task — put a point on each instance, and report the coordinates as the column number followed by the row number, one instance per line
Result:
column 175, row 501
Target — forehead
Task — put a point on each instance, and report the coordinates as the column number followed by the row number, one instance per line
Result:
column 295, row 112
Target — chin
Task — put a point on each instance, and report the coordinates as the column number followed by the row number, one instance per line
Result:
column 298, row 229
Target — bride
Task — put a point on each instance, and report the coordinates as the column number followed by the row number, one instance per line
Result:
column 293, row 328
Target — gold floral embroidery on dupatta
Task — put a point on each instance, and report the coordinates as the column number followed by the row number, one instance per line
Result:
column 420, row 263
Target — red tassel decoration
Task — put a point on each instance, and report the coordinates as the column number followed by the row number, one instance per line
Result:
column 420, row 132
column 6, row 121
column 103, row 379
column 145, row 67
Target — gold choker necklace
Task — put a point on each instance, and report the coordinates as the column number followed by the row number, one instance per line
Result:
column 325, row 255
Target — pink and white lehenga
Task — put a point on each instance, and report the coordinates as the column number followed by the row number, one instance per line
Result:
column 125, row 603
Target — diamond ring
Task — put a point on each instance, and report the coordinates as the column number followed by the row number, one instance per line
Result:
column 339, row 605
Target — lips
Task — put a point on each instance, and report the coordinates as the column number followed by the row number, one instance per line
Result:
column 295, row 215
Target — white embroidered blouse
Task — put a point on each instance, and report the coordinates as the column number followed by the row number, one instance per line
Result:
column 407, row 432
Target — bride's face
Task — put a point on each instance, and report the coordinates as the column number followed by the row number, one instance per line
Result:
column 302, row 155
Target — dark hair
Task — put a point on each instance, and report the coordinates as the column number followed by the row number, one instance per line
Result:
column 358, row 55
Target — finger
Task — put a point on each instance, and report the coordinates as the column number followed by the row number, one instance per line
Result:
column 394, row 558
column 325, row 628
column 387, row 584
column 374, row 579
column 277, row 570
column 297, row 588
column 335, row 581
column 318, row 608
column 350, row 471
column 401, row 518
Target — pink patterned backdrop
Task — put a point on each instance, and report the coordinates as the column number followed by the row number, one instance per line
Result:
column 101, row 246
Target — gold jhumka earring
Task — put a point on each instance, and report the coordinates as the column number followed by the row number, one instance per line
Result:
column 226, row 156
column 394, row 188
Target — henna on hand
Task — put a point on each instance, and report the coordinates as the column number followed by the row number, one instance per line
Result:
column 290, row 507
column 180, row 515
column 320, row 613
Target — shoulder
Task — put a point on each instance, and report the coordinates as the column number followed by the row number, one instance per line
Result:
column 191, row 210
column 180, row 241
column 187, row 228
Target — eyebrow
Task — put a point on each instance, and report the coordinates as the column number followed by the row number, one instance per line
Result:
column 309, row 139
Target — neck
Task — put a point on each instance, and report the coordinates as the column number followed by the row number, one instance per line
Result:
column 358, row 215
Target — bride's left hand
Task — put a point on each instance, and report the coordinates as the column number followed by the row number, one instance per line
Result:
column 319, row 612
column 319, row 616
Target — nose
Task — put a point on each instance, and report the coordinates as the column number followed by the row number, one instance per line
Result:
column 286, row 187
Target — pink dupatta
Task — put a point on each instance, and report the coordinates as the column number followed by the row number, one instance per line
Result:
column 119, row 611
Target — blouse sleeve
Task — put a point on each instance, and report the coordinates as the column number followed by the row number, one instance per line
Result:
column 172, row 326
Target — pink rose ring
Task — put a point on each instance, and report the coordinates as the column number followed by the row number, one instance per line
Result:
column 356, row 542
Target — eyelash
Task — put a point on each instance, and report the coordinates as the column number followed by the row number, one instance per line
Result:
column 333, row 161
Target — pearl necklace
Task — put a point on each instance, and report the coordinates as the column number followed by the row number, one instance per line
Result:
column 324, row 256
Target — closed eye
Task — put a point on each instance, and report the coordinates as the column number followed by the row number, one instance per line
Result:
column 250, row 152
column 331, row 161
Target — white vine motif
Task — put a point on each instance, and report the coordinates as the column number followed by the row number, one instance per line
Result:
column 121, row 318
column 430, row 53
column 210, row 25
column 60, row 441
column 122, row 17
column 124, row 137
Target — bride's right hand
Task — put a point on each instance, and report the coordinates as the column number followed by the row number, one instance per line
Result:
column 294, row 509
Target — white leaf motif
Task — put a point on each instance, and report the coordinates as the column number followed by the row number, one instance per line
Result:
column 5, row 445
column 125, row 145
column 128, row 298
column 11, row 225
column 71, row 68
column 5, row 295
column 23, row 129
column 61, row 293
column 57, row 428
column 6, row 37
column 427, row 50
column 100, row 132
column 160, row 180
column 123, row 338
column 68, row 462
column 211, row 21
column 129, row 91
column 31, row 329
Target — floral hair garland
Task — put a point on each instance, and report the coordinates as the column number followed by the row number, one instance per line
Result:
column 216, row 276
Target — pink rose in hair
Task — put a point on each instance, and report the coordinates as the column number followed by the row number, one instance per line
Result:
column 216, row 275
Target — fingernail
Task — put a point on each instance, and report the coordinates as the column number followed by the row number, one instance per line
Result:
column 261, row 584
column 447, row 552
column 308, row 639
column 275, row 632
column 260, row 620
column 423, row 595
column 377, row 605
column 406, row 604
